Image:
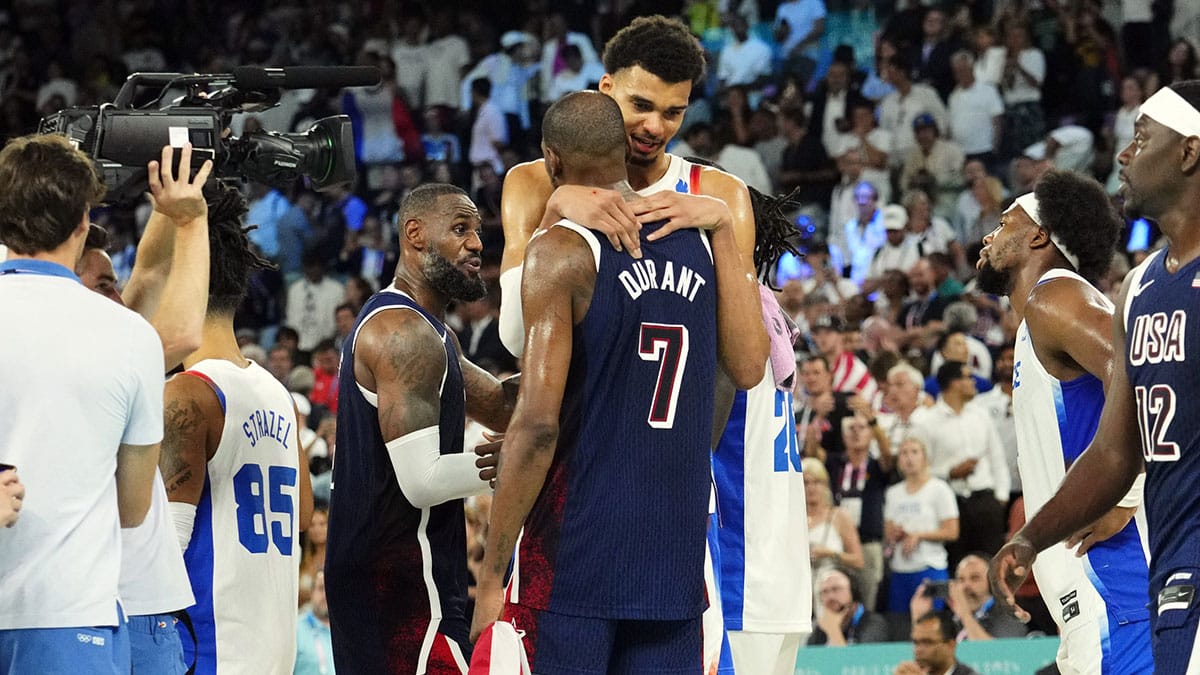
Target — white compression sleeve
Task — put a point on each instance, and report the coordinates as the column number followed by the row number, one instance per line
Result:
column 1133, row 498
column 427, row 477
column 184, row 517
column 512, row 321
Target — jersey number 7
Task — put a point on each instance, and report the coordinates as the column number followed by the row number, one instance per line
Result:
column 668, row 345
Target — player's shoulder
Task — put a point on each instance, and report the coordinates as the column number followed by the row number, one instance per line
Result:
column 721, row 184
column 527, row 175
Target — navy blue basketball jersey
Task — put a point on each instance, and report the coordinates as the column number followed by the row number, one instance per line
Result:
column 1158, row 336
column 395, row 575
column 618, row 531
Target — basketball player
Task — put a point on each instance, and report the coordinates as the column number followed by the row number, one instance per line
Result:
column 651, row 67
column 1048, row 243
column 396, row 566
column 1151, row 402
column 614, row 424
column 236, row 478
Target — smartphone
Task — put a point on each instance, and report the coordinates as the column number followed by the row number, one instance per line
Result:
column 937, row 589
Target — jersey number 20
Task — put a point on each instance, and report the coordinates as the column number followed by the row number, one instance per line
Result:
column 264, row 511
column 668, row 345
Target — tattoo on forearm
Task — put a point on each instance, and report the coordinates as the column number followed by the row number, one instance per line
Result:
column 181, row 420
column 503, row 549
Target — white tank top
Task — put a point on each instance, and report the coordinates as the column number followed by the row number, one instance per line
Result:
column 244, row 555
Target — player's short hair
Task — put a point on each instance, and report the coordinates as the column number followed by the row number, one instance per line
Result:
column 46, row 187
column 663, row 46
column 948, row 373
column 946, row 627
column 97, row 238
column 585, row 126
column 424, row 198
column 1076, row 209
column 231, row 258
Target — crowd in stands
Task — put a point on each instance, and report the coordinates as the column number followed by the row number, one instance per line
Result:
column 901, row 129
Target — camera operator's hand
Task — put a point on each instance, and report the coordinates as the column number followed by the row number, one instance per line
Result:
column 179, row 197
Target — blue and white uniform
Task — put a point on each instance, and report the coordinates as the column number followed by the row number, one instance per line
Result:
column 1160, row 329
column 1098, row 601
column 244, row 556
column 766, row 584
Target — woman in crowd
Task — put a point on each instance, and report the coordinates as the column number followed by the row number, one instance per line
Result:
column 833, row 539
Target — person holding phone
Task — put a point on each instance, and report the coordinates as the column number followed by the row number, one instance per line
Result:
column 969, row 597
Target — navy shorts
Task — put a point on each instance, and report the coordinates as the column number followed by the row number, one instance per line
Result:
column 558, row 644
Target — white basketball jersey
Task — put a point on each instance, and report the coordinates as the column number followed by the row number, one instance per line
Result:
column 243, row 559
column 1055, row 422
column 766, row 576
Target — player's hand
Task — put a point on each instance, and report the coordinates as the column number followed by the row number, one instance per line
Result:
column 12, row 496
column 681, row 211
column 179, row 197
column 488, row 462
column 1106, row 526
column 489, row 603
column 604, row 210
column 1008, row 570
column 908, row 668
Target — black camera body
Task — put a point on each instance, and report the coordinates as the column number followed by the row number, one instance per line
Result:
column 122, row 139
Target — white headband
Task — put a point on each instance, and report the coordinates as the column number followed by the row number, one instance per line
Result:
column 1029, row 203
column 1172, row 111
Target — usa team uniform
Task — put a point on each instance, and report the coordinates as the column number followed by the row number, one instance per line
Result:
column 244, row 556
column 608, row 576
column 1098, row 601
column 1158, row 309
column 766, row 584
column 395, row 574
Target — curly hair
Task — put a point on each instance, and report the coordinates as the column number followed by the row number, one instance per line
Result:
column 1076, row 209
column 231, row 258
column 664, row 47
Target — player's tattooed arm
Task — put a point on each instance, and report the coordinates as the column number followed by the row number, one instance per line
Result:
column 489, row 401
column 402, row 360
column 190, row 411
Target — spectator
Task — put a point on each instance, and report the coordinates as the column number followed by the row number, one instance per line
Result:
column 934, row 648
column 1180, row 63
column 1023, row 70
column 745, row 59
column 920, row 516
column 903, row 395
column 804, row 165
column 899, row 251
column 555, row 38
column 934, row 164
column 849, row 373
column 932, row 56
column 713, row 144
column 279, row 361
column 976, row 613
column 267, row 207
column 325, row 376
column 858, row 482
column 409, row 50
column 343, row 319
column 312, row 556
column 831, row 105
column 1118, row 129
column 311, row 302
column 480, row 334
column 854, row 242
column 820, row 409
column 770, row 144
column 955, row 345
column 998, row 402
column 874, row 145
column 1067, row 147
column 446, row 55
column 965, row 450
column 439, row 145
column 376, row 139
column 833, row 540
column 976, row 111
column 799, row 25
column 900, row 109
column 358, row 290
column 842, row 617
column 314, row 644
column 576, row 75
column 489, row 132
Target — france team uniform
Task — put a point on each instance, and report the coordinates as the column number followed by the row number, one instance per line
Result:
column 1158, row 335
column 766, row 584
column 244, row 556
column 609, row 570
column 395, row 574
column 1098, row 601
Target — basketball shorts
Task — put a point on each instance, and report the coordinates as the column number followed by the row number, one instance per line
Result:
column 1173, row 622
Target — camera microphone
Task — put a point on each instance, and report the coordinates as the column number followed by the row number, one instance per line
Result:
column 305, row 77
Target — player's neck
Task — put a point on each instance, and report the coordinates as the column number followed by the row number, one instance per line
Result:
column 1183, row 234
column 642, row 177
column 217, row 341
column 67, row 254
column 1026, row 278
column 418, row 289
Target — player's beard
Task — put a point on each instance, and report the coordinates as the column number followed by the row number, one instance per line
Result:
column 449, row 280
column 994, row 281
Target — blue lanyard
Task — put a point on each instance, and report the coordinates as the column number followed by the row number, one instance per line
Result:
column 41, row 267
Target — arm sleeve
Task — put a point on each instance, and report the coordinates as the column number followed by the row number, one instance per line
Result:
column 512, row 322
column 144, row 421
column 427, row 477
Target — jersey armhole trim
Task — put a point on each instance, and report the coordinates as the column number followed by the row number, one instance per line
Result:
column 208, row 380
column 587, row 235
column 373, row 397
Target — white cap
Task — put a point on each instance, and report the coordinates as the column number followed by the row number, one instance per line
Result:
column 894, row 217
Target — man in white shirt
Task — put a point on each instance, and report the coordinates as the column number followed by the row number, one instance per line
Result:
column 445, row 57
column 82, row 420
column 745, row 59
column 490, row 130
column 899, row 252
column 899, row 109
column 799, row 25
column 1067, row 147
column 976, row 111
column 312, row 304
column 965, row 450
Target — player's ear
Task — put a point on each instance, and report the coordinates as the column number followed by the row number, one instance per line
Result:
column 554, row 165
column 1191, row 154
column 413, row 232
column 606, row 84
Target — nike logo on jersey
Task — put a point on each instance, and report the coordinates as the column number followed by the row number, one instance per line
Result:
column 643, row 276
column 1156, row 338
column 1144, row 286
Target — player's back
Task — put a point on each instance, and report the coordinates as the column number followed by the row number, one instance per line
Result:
column 618, row 530
column 243, row 559
column 395, row 574
column 1055, row 422
column 1158, row 335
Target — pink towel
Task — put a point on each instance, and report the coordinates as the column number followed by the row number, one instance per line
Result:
column 783, row 334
